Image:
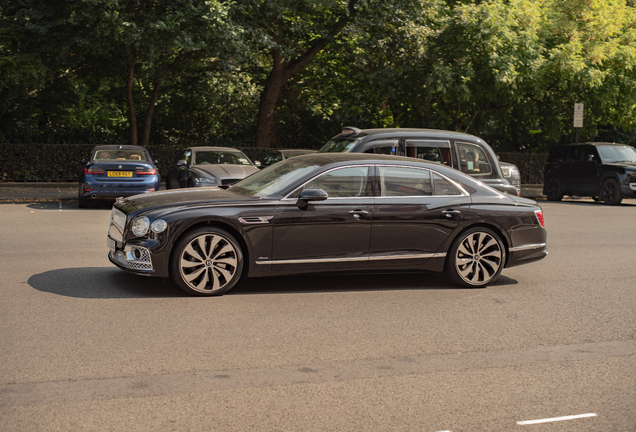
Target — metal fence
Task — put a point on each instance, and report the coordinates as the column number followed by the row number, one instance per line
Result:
column 29, row 162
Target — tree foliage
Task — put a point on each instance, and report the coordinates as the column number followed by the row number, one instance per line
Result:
column 291, row 73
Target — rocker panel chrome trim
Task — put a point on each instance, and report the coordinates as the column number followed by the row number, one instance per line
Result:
column 357, row 259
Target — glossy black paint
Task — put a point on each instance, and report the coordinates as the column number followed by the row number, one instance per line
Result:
column 368, row 232
column 405, row 142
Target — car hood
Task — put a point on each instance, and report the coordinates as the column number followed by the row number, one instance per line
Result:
column 178, row 197
column 224, row 171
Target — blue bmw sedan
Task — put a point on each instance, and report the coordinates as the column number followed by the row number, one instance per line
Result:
column 117, row 171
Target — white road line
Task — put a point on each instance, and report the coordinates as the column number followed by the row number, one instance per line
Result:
column 555, row 419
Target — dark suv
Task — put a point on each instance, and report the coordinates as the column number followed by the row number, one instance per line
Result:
column 604, row 171
column 461, row 151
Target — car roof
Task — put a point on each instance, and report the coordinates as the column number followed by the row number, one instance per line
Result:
column 214, row 148
column 118, row 147
column 408, row 132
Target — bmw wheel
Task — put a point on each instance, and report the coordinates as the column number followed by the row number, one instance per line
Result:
column 206, row 261
column 476, row 258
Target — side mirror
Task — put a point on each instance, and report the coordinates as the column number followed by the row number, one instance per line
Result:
column 156, row 162
column 257, row 163
column 310, row 195
column 182, row 162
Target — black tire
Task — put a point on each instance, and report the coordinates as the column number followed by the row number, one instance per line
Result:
column 611, row 192
column 207, row 261
column 168, row 183
column 475, row 258
column 554, row 192
column 190, row 184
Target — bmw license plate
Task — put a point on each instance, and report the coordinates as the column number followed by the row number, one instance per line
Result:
column 111, row 244
column 120, row 173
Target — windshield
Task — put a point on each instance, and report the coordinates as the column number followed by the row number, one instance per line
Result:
column 273, row 180
column 220, row 158
column 611, row 154
column 338, row 145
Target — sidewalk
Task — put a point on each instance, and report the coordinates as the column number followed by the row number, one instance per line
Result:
column 16, row 192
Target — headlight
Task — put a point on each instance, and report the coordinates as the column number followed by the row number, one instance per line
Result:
column 140, row 226
column 159, row 226
column 206, row 180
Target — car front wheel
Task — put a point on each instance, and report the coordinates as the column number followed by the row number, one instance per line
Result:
column 476, row 258
column 610, row 193
column 207, row 261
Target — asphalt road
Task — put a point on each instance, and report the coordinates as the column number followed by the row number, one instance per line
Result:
column 87, row 347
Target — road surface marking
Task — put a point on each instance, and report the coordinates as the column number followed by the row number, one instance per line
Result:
column 556, row 419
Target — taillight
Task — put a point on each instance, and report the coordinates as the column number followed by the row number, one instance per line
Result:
column 93, row 170
column 539, row 214
column 151, row 172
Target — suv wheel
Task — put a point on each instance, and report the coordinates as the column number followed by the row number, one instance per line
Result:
column 610, row 192
column 553, row 189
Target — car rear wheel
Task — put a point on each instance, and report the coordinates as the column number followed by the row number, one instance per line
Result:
column 610, row 193
column 476, row 258
column 207, row 261
column 553, row 190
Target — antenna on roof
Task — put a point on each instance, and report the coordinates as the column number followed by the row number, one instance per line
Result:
column 471, row 121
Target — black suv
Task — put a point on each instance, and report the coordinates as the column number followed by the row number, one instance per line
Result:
column 461, row 151
column 604, row 171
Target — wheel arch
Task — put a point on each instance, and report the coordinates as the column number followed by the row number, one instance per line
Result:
column 245, row 249
column 483, row 224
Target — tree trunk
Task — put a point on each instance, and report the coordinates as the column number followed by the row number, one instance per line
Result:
column 149, row 113
column 267, row 105
column 283, row 70
column 132, row 118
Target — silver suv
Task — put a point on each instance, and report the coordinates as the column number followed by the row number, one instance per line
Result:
column 461, row 151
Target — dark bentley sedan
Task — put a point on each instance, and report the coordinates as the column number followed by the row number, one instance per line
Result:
column 114, row 171
column 328, row 213
column 604, row 171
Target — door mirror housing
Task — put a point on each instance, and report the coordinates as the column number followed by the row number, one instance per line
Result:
column 311, row 195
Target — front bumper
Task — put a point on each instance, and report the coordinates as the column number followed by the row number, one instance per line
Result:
column 134, row 258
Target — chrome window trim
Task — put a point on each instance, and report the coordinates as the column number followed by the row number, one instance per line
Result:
column 423, row 142
column 528, row 247
column 356, row 259
column 287, row 197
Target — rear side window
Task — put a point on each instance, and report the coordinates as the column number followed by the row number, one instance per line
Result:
column 441, row 186
column 401, row 182
column 557, row 154
column 574, row 154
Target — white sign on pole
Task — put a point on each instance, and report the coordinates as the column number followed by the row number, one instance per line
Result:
column 578, row 115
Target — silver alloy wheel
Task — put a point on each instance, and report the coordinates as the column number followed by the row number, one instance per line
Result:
column 208, row 263
column 479, row 258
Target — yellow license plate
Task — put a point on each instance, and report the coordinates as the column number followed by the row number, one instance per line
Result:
column 119, row 173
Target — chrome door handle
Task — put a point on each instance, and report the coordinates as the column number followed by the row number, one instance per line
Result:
column 358, row 213
column 450, row 213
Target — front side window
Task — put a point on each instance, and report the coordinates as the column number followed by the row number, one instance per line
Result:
column 340, row 183
column 574, row 155
column 473, row 159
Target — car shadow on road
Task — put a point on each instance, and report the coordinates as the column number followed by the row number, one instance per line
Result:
column 104, row 282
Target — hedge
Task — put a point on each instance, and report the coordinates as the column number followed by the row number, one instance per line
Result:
column 63, row 162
